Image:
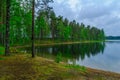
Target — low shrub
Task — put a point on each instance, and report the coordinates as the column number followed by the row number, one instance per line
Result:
column 58, row 58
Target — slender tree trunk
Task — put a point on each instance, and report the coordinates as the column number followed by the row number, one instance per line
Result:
column 53, row 34
column 33, row 47
column 7, row 27
column 4, row 21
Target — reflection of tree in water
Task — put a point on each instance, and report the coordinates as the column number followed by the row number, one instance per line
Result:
column 75, row 51
column 81, row 50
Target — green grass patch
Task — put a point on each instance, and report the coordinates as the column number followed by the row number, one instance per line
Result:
column 2, row 50
column 78, row 67
column 1, row 58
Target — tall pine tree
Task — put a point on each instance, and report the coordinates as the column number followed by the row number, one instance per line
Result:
column 33, row 48
column 7, row 27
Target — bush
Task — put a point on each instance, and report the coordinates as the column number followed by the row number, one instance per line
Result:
column 58, row 58
column 2, row 50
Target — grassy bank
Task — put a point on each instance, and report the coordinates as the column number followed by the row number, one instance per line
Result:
column 50, row 42
column 23, row 67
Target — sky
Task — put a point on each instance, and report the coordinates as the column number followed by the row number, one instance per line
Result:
column 99, row 13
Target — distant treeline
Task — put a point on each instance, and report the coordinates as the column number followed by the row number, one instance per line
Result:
column 113, row 37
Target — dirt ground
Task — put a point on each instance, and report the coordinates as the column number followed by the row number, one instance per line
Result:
column 23, row 67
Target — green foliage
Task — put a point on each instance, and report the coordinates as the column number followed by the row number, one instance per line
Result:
column 2, row 50
column 58, row 58
column 78, row 67
column 42, row 29
column 67, row 32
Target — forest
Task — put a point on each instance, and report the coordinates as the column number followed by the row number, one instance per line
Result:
column 28, row 21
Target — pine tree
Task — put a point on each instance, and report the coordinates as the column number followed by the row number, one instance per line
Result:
column 7, row 27
column 33, row 48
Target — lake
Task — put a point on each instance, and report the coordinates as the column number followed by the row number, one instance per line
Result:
column 103, row 56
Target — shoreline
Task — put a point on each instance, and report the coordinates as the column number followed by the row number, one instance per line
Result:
column 57, row 43
column 103, row 72
column 88, row 68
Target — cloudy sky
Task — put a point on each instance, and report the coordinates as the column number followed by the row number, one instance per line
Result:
column 100, row 13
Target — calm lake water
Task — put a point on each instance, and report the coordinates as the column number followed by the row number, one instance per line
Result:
column 103, row 56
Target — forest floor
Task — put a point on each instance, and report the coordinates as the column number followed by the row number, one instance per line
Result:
column 23, row 67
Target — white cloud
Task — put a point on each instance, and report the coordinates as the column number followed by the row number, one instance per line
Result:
column 59, row 1
column 108, row 3
column 74, row 5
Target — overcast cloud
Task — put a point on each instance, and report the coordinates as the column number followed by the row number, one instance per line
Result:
column 99, row 13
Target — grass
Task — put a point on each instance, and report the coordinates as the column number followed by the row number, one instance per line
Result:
column 23, row 67
column 77, row 67
column 2, row 50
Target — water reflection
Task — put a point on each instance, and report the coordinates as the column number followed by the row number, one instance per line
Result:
column 103, row 56
column 74, row 51
column 113, row 41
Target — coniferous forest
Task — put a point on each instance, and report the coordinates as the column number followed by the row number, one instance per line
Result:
column 46, row 24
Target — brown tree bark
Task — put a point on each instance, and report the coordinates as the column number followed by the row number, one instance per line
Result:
column 33, row 47
column 7, row 28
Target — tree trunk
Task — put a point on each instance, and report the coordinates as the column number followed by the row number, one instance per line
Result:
column 33, row 47
column 7, row 27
